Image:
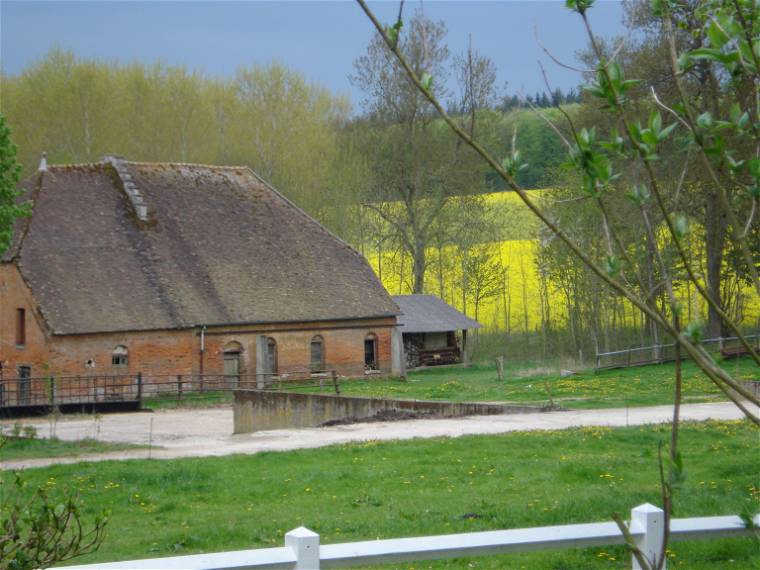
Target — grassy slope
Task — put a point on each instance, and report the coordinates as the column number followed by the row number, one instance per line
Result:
column 640, row 386
column 23, row 448
column 417, row 487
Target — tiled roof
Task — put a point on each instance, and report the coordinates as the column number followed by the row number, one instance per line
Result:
column 428, row 313
column 214, row 246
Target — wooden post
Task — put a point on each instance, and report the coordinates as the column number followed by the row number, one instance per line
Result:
column 139, row 388
column 500, row 368
column 52, row 390
column 179, row 387
column 335, row 382
column 465, row 356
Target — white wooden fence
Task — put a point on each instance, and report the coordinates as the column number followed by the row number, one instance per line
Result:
column 302, row 550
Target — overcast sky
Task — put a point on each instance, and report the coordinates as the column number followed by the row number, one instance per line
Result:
column 321, row 39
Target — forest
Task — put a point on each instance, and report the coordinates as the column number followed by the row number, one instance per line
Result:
column 391, row 179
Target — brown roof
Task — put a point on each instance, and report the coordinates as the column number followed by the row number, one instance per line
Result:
column 219, row 246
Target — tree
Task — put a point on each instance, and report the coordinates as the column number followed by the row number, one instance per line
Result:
column 10, row 170
column 417, row 165
column 730, row 29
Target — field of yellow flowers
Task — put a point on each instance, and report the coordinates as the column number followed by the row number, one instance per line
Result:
column 520, row 301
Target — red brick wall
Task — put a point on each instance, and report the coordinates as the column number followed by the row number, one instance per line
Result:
column 343, row 347
column 178, row 351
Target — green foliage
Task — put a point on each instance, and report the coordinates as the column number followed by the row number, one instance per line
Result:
column 541, row 151
column 267, row 117
column 10, row 209
column 40, row 527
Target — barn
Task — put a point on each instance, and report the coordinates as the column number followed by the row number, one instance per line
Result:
column 433, row 331
column 183, row 269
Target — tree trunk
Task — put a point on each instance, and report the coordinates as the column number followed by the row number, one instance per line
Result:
column 419, row 266
column 715, row 241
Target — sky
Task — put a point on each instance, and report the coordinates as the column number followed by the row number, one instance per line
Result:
column 320, row 39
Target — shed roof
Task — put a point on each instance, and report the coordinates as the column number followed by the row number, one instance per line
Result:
column 217, row 246
column 428, row 313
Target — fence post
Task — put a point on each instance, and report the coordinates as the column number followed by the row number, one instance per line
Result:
column 179, row 387
column 139, row 388
column 335, row 382
column 650, row 520
column 305, row 545
column 52, row 390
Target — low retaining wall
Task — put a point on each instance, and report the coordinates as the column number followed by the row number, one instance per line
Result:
column 256, row 410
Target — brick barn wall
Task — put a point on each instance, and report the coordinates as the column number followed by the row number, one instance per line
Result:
column 177, row 351
column 14, row 294
column 343, row 347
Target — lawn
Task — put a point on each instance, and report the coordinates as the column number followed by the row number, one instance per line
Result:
column 420, row 487
column 17, row 448
column 524, row 384
column 638, row 386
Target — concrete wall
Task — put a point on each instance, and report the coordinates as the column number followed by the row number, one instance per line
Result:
column 265, row 410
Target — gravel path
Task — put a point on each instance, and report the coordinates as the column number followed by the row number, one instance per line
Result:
column 206, row 432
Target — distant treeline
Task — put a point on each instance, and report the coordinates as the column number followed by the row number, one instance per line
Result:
column 540, row 100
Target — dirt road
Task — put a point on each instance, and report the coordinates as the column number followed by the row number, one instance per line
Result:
column 207, row 432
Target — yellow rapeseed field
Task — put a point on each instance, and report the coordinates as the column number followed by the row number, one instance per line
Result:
column 517, row 305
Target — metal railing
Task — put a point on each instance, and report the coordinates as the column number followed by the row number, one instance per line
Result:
column 100, row 389
column 661, row 353
column 302, row 550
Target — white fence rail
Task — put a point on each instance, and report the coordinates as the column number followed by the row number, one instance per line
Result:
column 302, row 550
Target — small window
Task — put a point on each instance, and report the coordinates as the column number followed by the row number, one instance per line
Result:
column 370, row 352
column 317, row 361
column 271, row 363
column 120, row 356
column 20, row 327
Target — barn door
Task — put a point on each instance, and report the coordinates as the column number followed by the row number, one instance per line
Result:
column 232, row 365
column 24, row 385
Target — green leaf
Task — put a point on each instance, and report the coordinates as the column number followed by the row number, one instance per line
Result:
column 611, row 265
column 681, row 226
column 667, row 130
column 707, row 53
column 684, row 62
column 639, row 194
column 427, row 81
column 580, row 6
column 694, row 331
column 655, row 121
column 705, row 120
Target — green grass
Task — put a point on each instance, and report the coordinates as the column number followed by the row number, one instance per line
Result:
column 527, row 384
column 638, row 386
column 18, row 448
column 190, row 400
column 424, row 487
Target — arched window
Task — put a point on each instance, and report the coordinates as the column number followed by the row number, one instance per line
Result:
column 120, row 356
column 370, row 352
column 317, row 354
column 271, row 357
